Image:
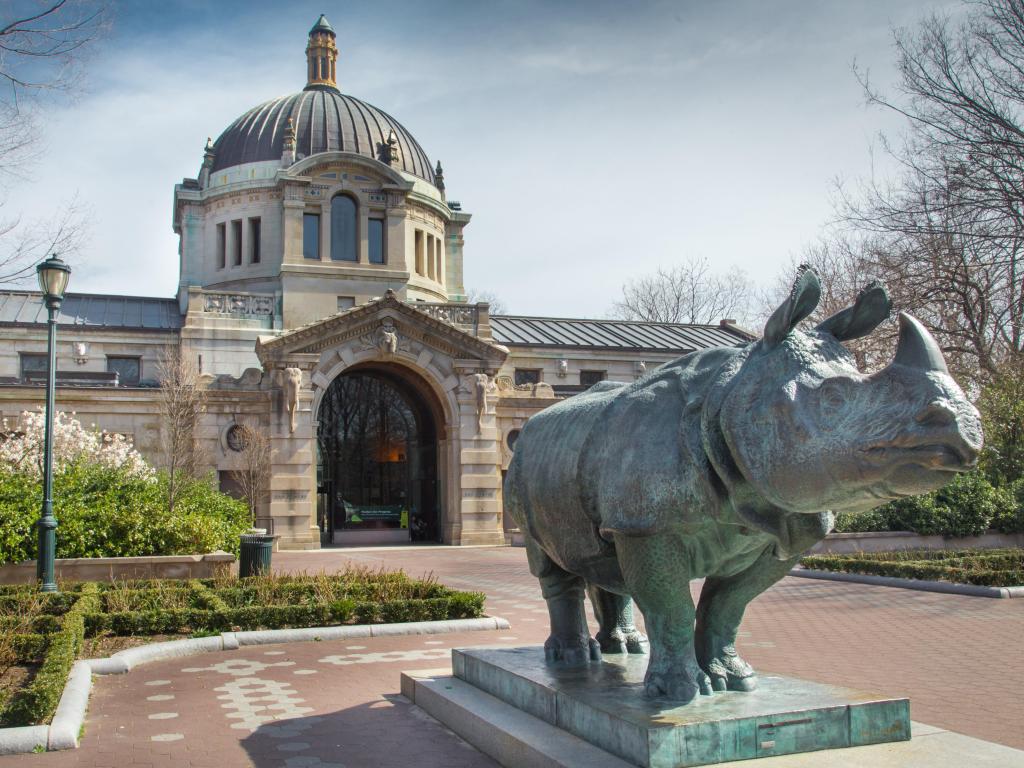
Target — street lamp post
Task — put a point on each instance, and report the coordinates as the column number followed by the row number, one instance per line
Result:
column 53, row 279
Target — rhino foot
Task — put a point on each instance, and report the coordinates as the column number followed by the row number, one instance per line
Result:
column 571, row 653
column 680, row 685
column 728, row 671
column 618, row 641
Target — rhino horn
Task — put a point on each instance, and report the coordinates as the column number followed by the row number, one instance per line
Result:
column 917, row 348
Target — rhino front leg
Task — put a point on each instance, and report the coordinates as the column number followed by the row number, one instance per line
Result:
column 657, row 575
column 618, row 633
column 719, row 613
column 569, row 644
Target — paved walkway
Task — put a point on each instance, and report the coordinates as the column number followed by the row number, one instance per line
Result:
column 336, row 704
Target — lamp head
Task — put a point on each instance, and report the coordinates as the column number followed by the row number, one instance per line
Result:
column 53, row 277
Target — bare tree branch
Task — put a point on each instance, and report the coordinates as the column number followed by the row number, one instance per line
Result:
column 947, row 235
column 254, row 476
column 182, row 403
column 691, row 292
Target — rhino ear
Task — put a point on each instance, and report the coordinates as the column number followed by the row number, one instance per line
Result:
column 871, row 308
column 802, row 299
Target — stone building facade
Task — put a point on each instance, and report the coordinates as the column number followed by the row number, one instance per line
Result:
column 321, row 296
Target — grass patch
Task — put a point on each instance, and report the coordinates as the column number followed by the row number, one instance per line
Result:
column 983, row 567
column 41, row 636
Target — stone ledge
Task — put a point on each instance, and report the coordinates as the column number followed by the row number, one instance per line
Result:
column 110, row 568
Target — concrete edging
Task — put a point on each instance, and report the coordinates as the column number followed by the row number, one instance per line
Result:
column 63, row 731
column 972, row 590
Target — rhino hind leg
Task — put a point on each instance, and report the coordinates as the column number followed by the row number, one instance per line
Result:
column 618, row 632
column 719, row 613
column 569, row 644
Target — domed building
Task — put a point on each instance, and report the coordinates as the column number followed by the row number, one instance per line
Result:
column 321, row 298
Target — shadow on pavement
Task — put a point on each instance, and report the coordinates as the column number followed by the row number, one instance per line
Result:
column 390, row 732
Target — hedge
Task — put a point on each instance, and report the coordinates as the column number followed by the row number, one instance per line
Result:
column 990, row 569
column 455, row 606
column 36, row 702
column 56, row 636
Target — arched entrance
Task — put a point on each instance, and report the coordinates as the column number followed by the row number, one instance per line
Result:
column 377, row 464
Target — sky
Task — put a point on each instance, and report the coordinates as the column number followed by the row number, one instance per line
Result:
column 592, row 141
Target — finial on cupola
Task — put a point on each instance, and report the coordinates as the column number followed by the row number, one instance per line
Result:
column 439, row 179
column 321, row 56
column 387, row 152
column 209, row 153
column 288, row 144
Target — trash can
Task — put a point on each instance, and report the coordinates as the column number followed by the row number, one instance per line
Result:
column 257, row 549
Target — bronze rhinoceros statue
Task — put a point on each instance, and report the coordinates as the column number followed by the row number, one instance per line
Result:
column 726, row 464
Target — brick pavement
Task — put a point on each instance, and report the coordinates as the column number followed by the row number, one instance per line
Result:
column 336, row 703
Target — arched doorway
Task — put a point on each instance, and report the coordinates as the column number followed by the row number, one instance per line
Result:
column 377, row 439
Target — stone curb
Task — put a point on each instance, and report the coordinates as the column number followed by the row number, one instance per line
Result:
column 67, row 720
column 62, row 733
column 922, row 586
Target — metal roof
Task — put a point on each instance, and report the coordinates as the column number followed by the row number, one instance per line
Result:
column 324, row 121
column 610, row 334
column 91, row 310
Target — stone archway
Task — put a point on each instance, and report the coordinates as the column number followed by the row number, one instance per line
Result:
column 379, row 436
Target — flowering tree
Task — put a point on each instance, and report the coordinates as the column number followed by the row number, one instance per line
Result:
column 21, row 449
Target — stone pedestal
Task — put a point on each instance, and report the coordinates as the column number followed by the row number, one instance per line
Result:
column 604, row 705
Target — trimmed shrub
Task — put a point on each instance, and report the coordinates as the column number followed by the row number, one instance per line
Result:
column 994, row 568
column 35, row 703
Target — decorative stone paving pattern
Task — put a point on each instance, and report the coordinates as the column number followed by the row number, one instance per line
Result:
column 239, row 667
column 392, row 656
column 277, row 701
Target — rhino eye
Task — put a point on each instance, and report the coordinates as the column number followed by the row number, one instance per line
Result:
column 832, row 398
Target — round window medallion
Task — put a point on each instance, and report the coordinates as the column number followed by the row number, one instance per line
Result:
column 235, row 438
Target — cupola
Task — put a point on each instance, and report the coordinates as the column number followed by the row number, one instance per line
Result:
column 321, row 56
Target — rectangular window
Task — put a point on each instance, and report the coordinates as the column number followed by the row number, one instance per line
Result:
column 221, row 246
column 419, row 251
column 590, row 378
column 311, row 236
column 346, row 302
column 128, row 370
column 33, row 362
column 375, row 240
column 527, row 376
column 236, row 242
column 254, row 241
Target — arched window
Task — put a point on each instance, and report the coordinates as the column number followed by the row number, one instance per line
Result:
column 344, row 233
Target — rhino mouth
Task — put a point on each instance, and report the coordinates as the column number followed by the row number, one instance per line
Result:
column 943, row 457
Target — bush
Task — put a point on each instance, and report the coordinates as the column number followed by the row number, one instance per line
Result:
column 968, row 506
column 107, row 512
column 1010, row 518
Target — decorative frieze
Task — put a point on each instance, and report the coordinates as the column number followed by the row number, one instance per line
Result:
column 238, row 303
column 459, row 315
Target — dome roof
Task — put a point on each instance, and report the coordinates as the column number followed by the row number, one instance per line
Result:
column 325, row 121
